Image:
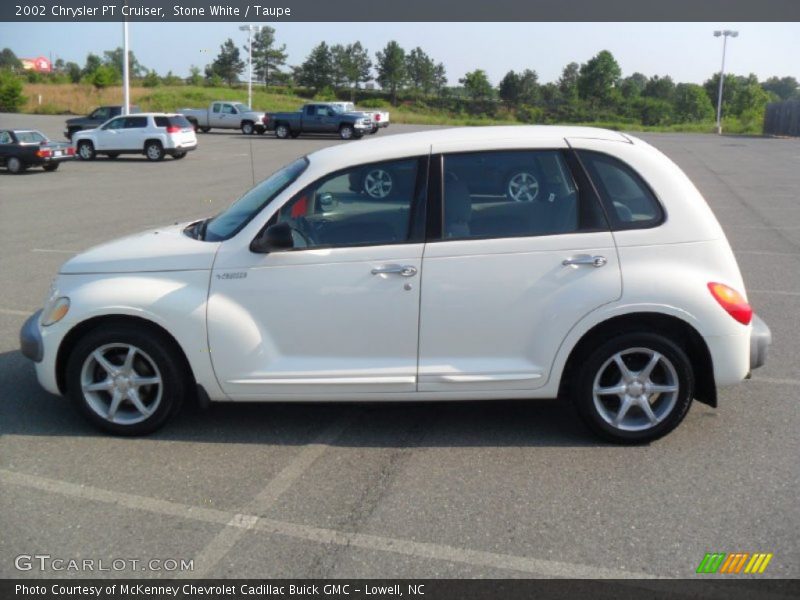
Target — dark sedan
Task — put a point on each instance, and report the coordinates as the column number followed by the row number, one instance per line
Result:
column 24, row 148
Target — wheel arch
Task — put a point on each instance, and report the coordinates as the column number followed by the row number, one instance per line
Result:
column 677, row 330
column 81, row 329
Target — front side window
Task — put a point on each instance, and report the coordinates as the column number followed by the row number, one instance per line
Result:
column 115, row 123
column 629, row 201
column 512, row 194
column 228, row 109
column 364, row 205
column 230, row 221
column 5, row 137
column 101, row 113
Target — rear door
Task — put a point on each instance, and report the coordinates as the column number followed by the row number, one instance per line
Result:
column 523, row 254
column 132, row 137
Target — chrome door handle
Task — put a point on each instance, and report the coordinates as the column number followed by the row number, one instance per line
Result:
column 585, row 259
column 402, row 270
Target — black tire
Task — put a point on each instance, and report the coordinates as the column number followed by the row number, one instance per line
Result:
column 50, row 167
column 154, row 151
column 248, row 128
column 15, row 165
column 669, row 408
column 179, row 155
column 295, row 135
column 86, row 150
column 282, row 131
column 347, row 132
column 205, row 129
column 154, row 349
column 113, row 155
column 260, row 129
column 194, row 125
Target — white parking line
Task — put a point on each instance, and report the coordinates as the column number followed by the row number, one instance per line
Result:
column 11, row 311
column 240, row 523
column 776, row 380
column 54, row 251
column 775, row 292
column 217, row 548
column 425, row 550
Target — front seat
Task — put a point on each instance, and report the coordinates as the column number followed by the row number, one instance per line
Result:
column 457, row 208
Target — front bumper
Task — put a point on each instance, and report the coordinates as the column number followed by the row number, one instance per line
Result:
column 30, row 338
column 760, row 340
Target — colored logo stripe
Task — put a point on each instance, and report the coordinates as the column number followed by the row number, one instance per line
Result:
column 721, row 562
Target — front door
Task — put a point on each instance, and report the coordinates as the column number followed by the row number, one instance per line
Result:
column 525, row 254
column 110, row 135
column 337, row 315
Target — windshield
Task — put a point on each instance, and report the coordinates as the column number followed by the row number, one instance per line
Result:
column 230, row 221
column 242, row 108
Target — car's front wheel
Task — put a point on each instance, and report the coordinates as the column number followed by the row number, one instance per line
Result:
column 125, row 379
column 346, row 132
column 86, row 150
column 635, row 388
column 248, row 128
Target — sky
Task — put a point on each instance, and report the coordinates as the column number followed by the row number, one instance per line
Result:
column 688, row 52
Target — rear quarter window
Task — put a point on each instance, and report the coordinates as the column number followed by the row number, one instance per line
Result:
column 629, row 201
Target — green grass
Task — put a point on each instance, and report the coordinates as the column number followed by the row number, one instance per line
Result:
column 80, row 99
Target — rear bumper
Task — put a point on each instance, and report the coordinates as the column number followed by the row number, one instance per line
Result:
column 30, row 338
column 760, row 340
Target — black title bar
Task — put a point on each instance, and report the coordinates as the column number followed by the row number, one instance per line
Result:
column 406, row 11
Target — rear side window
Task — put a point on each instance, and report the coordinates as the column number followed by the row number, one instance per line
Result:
column 135, row 122
column 629, row 201
column 178, row 121
column 514, row 194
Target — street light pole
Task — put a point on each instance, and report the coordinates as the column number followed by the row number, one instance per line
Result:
column 249, row 29
column 725, row 35
column 126, row 85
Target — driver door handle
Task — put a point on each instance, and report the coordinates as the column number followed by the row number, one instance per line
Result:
column 402, row 270
column 585, row 259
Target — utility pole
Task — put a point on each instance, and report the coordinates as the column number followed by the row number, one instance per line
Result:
column 250, row 29
column 725, row 34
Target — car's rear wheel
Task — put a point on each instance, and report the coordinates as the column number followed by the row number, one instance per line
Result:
column 282, row 131
column 635, row 388
column 50, row 167
column 248, row 128
column 125, row 379
column 205, row 129
column 154, row 151
column 15, row 165
column 112, row 155
column 86, row 150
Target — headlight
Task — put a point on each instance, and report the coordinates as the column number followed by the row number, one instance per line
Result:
column 55, row 310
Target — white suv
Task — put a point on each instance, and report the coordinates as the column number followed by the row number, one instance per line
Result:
column 152, row 134
column 486, row 263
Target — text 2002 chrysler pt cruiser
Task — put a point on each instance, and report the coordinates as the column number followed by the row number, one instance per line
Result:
column 524, row 262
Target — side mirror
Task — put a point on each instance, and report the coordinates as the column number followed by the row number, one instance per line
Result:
column 327, row 202
column 276, row 237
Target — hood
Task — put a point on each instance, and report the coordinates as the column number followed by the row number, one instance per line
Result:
column 164, row 249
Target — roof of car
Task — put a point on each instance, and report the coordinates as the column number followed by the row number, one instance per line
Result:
column 409, row 144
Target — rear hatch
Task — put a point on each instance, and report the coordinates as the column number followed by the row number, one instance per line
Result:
column 180, row 130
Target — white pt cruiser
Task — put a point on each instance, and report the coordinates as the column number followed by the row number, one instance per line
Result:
column 463, row 264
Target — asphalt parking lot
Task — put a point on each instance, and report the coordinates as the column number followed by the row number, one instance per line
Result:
column 504, row 489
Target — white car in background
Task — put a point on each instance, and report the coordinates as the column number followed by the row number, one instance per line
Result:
column 153, row 134
column 490, row 266
column 379, row 119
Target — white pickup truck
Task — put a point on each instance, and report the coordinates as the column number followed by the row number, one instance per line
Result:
column 225, row 115
column 379, row 119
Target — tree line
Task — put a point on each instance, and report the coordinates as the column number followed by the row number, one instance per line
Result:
column 593, row 91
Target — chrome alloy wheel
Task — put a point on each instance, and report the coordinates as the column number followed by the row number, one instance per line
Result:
column 378, row 183
column 523, row 187
column 636, row 389
column 121, row 383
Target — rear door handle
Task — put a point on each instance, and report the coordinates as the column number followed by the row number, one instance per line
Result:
column 585, row 259
column 402, row 270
